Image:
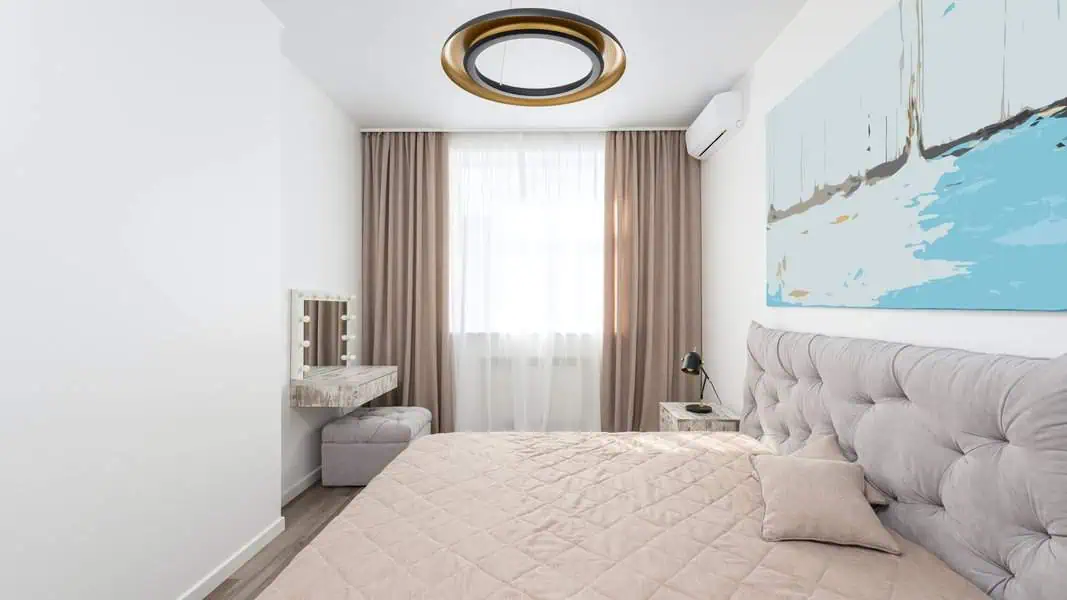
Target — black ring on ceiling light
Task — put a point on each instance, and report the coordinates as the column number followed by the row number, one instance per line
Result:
column 471, row 66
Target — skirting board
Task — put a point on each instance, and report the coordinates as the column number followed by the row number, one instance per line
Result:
column 302, row 484
column 205, row 586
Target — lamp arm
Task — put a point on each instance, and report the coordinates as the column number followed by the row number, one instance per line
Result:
column 707, row 380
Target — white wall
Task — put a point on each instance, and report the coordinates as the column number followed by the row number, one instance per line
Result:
column 140, row 243
column 321, row 234
column 735, row 211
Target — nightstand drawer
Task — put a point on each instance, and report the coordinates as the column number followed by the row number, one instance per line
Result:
column 674, row 417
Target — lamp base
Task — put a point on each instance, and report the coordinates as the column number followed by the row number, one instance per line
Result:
column 700, row 409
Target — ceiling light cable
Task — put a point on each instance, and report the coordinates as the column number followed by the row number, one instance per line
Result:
column 504, row 55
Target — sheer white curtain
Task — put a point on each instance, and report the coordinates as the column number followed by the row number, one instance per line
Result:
column 526, row 280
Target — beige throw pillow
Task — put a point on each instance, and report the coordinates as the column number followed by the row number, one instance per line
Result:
column 819, row 501
column 825, row 447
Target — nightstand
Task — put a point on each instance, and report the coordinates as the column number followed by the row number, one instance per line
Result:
column 674, row 417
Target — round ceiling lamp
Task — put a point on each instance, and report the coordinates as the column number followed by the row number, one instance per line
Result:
column 485, row 35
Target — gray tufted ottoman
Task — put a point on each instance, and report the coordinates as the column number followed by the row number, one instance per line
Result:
column 357, row 446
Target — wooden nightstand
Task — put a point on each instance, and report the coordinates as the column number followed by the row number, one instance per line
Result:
column 674, row 417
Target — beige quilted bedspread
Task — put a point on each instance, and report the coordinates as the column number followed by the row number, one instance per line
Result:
column 661, row 516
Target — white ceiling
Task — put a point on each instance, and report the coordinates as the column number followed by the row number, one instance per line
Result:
column 381, row 60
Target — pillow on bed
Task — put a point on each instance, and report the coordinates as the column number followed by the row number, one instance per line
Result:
column 825, row 447
column 818, row 501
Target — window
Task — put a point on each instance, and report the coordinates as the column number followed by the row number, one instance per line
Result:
column 527, row 233
column 526, row 281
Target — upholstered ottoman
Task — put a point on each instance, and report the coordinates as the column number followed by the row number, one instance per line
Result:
column 357, row 446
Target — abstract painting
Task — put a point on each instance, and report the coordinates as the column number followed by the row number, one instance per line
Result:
column 925, row 166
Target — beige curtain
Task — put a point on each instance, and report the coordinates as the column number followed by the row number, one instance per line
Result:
column 652, row 271
column 405, row 267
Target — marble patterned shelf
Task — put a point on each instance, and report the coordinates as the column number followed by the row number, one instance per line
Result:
column 341, row 387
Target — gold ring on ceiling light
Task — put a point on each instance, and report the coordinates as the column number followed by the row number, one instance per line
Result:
column 462, row 48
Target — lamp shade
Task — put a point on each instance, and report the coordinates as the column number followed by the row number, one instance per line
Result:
column 691, row 363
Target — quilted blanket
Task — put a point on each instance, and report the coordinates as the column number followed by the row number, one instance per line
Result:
column 586, row 516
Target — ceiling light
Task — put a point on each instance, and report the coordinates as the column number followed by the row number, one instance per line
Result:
column 461, row 52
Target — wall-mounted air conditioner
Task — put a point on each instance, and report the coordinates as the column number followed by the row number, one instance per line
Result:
column 720, row 120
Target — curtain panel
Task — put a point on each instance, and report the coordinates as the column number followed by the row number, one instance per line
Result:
column 526, row 280
column 405, row 267
column 652, row 274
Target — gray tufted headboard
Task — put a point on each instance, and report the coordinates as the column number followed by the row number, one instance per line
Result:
column 972, row 447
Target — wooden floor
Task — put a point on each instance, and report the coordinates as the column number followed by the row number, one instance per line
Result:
column 305, row 517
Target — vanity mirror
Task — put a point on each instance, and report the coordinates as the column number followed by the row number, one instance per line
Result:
column 323, row 366
column 323, row 332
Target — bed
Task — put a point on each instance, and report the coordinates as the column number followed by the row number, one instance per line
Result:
column 972, row 450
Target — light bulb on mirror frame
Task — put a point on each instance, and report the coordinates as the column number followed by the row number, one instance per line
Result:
column 306, row 343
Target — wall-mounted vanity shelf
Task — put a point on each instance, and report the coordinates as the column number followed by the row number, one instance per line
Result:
column 324, row 369
column 341, row 387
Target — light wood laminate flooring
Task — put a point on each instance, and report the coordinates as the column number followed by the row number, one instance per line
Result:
column 305, row 517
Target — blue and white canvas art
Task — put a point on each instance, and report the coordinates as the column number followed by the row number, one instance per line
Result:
column 925, row 166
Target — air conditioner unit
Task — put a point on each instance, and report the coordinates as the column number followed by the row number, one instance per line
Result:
column 720, row 120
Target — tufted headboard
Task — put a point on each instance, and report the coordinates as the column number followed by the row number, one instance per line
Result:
column 972, row 447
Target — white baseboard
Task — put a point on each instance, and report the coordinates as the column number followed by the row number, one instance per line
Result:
column 302, row 484
column 219, row 574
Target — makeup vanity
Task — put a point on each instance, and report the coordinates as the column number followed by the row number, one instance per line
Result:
column 322, row 361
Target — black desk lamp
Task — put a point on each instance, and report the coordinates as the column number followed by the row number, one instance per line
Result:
column 693, row 364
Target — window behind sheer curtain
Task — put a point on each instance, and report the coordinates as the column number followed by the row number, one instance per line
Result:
column 526, row 279
column 527, row 232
